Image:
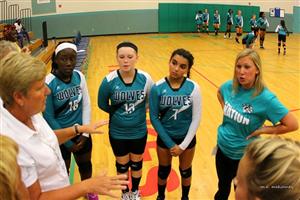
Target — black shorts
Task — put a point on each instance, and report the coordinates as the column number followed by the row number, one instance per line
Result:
column 229, row 23
column 262, row 29
column 66, row 154
column 244, row 41
column 161, row 144
column 122, row 147
column 205, row 21
column 282, row 38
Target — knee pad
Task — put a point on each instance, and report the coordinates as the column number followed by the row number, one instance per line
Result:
column 164, row 171
column 85, row 166
column 283, row 45
column 187, row 173
column 136, row 166
column 279, row 44
column 122, row 168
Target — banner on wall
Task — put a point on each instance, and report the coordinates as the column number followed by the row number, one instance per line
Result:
column 43, row 1
column 276, row 12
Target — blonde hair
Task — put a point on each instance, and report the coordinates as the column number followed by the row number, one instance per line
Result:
column 17, row 72
column 258, row 84
column 7, row 47
column 275, row 169
column 8, row 168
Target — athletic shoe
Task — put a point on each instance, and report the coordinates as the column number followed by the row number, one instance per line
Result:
column 225, row 37
column 135, row 195
column 184, row 198
column 126, row 196
column 91, row 196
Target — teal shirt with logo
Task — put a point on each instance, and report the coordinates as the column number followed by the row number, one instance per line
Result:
column 126, row 104
column 242, row 115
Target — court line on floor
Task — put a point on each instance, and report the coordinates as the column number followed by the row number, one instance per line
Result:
column 212, row 83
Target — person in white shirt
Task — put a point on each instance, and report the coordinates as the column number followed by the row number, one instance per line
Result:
column 23, row 92
column 21, row 32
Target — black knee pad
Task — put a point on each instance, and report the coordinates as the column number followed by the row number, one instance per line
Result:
column 187, row 173
column 283, row 45
column 136, row 166
column 279, row 44
column 85, row 166
column 122, row 168
column 164, row 171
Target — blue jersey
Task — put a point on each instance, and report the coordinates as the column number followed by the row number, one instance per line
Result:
column 126, row 104
column 175, row 113
column 217, row 19
column 239, row 21
column 262, row 23
column 243, row 114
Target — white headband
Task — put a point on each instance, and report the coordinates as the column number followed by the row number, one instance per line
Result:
column 65, row 45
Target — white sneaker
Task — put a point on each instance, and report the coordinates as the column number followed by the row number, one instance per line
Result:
column 225, row 37
column 135, row 195
column 126, row 196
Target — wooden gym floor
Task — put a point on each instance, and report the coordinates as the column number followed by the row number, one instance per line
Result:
column 214, row 60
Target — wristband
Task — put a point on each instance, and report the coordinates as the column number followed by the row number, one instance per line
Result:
column 76, row 129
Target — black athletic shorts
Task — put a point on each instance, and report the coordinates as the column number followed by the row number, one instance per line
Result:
column 262, row 29
column 282, row 38
column 122, row 147
column 244, row 41
column 161, row 144
column 229, row 23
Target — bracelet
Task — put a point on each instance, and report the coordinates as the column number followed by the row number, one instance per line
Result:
column 76, row 129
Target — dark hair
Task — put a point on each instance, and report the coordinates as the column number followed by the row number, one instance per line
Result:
column 200, row 11
column 230, row 10
column 54, row 65
column 127, row 44
column 282, row 23
column 261, row 14
column 187, row 55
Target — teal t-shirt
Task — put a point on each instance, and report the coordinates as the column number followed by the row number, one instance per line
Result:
column 242, row 115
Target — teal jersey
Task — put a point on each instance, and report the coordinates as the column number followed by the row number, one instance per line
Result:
column 239, row 21
column 253, row 23
column 125, row 103
column 281, row 30
column 199, row 18
column 217, row 19
column 68, row 103
column 205, row 17
column 229, row 18
column 243, row 114
column 262, row 23
column 249, row 39
column 175, row 113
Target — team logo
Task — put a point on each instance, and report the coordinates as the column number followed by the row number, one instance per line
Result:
column 247, row 108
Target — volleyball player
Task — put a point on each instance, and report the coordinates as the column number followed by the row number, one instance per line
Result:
column 69, row 104
column 175, row 111
column 123, row 94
